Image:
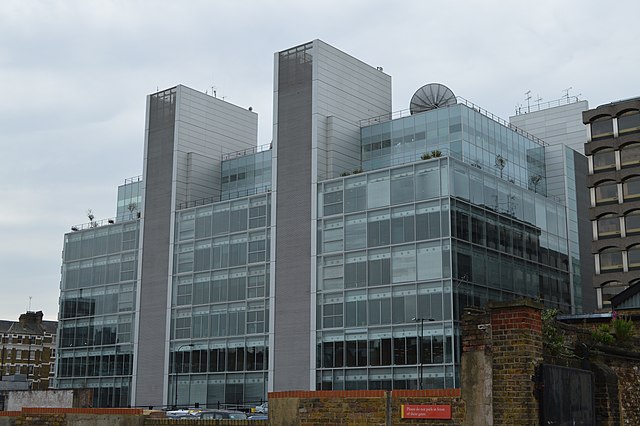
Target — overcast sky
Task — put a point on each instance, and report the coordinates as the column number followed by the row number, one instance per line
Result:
column 75, row 75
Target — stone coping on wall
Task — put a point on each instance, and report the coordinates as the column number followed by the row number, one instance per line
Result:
column 530, row 303
column 51, row 410
column 427, row 393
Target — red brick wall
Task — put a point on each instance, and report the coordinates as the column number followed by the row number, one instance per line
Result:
column 516, row 334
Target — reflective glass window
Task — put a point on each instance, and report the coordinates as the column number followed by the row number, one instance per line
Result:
column 632, row 222
column 629, row 122
column 429, row 259
column 607, row 192
column 608, row 226
column 378, row 228
column 427, row 181
column 378, row 190
column 355, row 194
column 402, row 185
column 604, row 160
column 633, row 256
column 355, row 231
column 631, row 188
column 610, row 260
column 403, row 263
column 402, row 225
column 379, row 267
column 355, row 270
column 332, row 198
column 601, row 127
column 630, row 155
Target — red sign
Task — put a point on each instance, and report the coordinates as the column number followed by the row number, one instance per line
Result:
column 426, row 411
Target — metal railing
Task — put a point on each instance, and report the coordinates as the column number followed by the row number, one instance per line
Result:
column 247, row 151
column 224, row 197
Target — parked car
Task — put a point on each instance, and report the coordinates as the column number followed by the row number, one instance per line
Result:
column 179, row 414
column 258, row 417
column 221, row 414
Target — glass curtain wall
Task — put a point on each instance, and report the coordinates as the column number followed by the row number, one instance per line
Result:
column 98, row 298
column 220, row 310
column 460, row 132
column 402, row 250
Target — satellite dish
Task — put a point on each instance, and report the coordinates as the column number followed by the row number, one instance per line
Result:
column 431, row 96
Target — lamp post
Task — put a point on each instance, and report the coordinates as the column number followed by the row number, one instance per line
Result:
column 421, row 320
column 190, row 345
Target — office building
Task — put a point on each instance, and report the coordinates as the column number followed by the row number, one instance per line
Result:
column 613, row 149
column 559, row 124
column 336, row 256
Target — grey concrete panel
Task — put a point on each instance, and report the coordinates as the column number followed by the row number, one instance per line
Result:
column 587, row 270
column 151, row 333
column 291, row 352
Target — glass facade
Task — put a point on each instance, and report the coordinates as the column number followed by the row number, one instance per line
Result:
column 129, row 199
column 97, row 308
column 402, row 249
column 461, row 132
column 220, row 309
column 246, row 175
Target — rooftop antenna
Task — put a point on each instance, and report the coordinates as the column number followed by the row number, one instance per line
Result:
column 527, row 97
column 91, row 216
column 538, row 102
column 566, row 92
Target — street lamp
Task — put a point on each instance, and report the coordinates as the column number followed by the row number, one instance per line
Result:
column 190, row 345
column 421, row 320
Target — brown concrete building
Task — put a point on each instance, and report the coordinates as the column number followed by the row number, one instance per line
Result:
column 613, row 149
column 28, row 350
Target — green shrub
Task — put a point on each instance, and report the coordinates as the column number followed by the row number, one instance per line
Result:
column 622, row 328
column 602, row 334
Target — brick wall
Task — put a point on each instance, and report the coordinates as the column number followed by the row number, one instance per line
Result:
column 516, row 349
column 374, row 408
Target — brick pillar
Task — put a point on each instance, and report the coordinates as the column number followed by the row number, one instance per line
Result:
column 476, row 367
column 516, row 335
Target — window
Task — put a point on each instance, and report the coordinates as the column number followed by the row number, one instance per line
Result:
column 378, row 190
column 332, row 238
column 355, row 197
column 610, row 260
column 378, row 228
column 632, row 222
column 607, row 193
column 630, row 155
column 629, row 122
column 379, row 267
column 633, row 256
column 609, row 290
column 404, row 264
column 332, row 272
column 631, row 188
column 238, row 216
column 332, row 198
column 601, row 127
column 355, row 311
column 402, row 227
column 608, row 226
column 355, row 232
column 604, row 160
column 257, row 216
column 332, row 315
column 355, row 270
column 255, row 322
column 402, row 185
